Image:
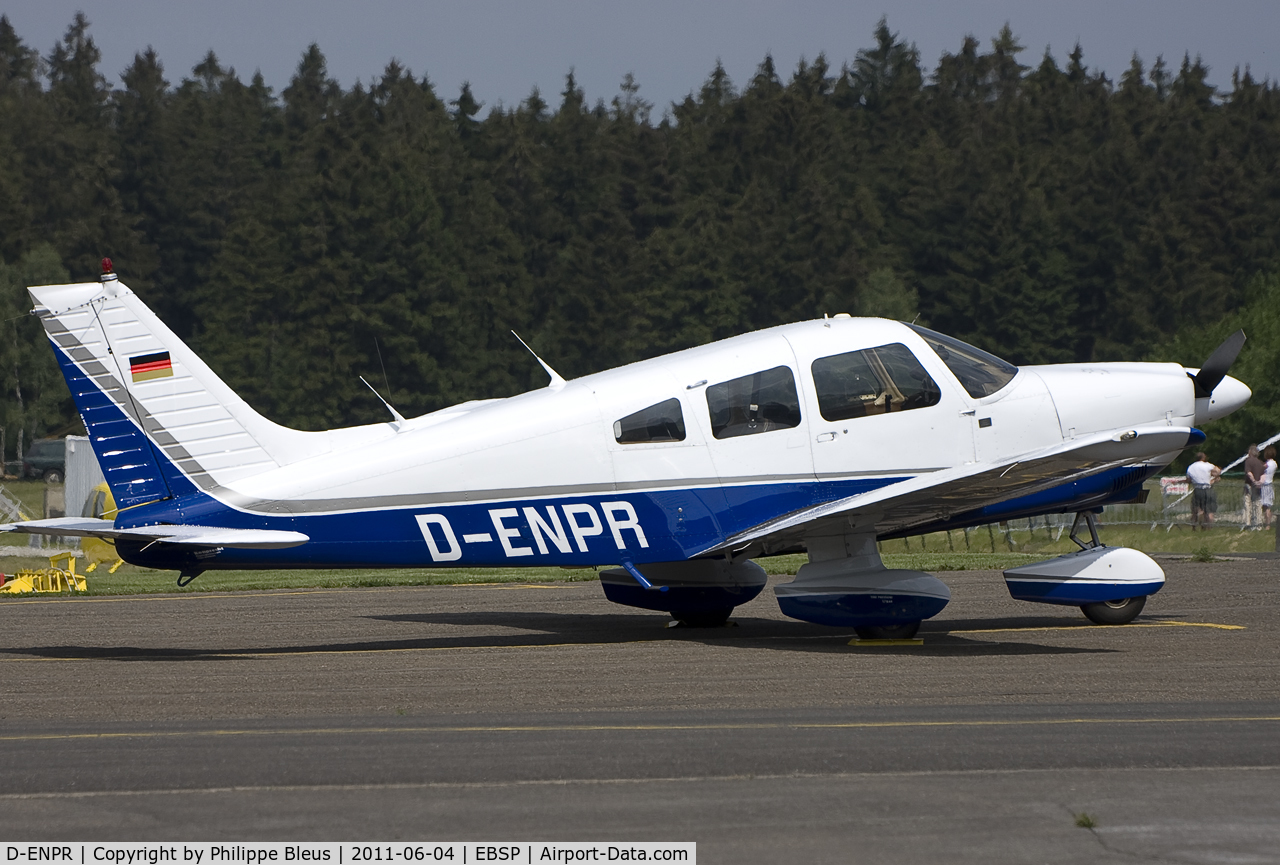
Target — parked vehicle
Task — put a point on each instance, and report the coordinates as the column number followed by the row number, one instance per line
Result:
column 47, row 459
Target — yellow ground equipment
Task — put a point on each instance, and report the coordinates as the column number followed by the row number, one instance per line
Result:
column 102, row 506
column 50, row 579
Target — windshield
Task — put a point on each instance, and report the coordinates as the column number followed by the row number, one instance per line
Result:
column 980, row 374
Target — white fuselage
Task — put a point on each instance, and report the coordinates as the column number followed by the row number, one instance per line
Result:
column 562, row 439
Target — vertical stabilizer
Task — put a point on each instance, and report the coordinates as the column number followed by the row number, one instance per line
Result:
column 160, row 421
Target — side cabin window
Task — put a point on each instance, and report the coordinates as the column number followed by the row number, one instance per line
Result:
column 872, row 381
column 663, row 422
column 761, row 402
column 980, row 373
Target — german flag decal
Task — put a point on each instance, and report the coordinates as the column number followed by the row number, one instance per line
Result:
column 150, row 366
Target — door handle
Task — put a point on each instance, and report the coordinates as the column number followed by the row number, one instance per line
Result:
column 827, row 437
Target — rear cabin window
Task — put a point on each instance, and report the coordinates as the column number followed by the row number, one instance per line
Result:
column 980, row 373
column 872, row 381
column 761, row 402
column 663, row 422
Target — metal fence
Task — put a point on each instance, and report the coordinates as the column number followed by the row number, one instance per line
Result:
column 1168, row 504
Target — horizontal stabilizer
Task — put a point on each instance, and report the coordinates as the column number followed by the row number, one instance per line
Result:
column 187, row 536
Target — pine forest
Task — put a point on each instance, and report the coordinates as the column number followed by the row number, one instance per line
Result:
column 300, row 239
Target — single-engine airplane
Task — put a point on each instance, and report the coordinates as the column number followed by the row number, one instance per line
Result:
column 820, row 436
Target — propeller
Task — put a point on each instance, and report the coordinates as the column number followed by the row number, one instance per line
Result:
column 1215, row 368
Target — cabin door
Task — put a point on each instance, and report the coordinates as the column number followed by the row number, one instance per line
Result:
column 880, row 413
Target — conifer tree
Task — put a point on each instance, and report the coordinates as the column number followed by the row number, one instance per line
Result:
column 73, row 163
column 33, row 396
column 303, row 239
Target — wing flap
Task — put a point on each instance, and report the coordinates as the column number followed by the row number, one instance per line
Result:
column 926, row 498
column 185, row 535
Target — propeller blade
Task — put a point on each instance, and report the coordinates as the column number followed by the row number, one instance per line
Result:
column 1215, row 368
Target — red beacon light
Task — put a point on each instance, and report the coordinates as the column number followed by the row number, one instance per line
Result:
column 107, row 274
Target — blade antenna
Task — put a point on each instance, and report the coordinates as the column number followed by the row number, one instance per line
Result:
column 556, row 379
column 385, row 381
column 399, row 418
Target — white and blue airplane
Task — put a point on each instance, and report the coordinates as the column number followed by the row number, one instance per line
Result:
column 821, row 436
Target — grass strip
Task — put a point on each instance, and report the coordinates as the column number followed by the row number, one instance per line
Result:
column 933, row 553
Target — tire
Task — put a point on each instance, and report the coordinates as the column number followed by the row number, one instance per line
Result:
column 1120, row 612
column 703, row 618
column 887, row 632
column 53, row 476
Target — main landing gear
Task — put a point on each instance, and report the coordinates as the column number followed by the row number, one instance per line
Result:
column 846, row 585
column 1110, row 585
column 887, row 632
column 698, row 594
column 702, row 618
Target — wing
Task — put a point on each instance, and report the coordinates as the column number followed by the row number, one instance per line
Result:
column 939, row 495
column 190, row 536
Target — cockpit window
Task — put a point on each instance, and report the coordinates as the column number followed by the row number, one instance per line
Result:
column 663, row 422
column 980, row 374
column 761, row 402
column 872, row 381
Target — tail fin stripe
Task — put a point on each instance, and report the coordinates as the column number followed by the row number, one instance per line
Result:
column 128, row 462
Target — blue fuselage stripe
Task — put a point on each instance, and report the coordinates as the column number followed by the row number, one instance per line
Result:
column 599, row 529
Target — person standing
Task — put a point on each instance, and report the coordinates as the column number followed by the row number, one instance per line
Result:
column 1203, row 475
column 1268, row 488
column 1253, row 469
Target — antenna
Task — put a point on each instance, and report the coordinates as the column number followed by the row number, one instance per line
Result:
column 385, row 380
column 557, row 380
column 399, row 418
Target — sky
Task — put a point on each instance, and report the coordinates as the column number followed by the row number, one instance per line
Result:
column 504, row 48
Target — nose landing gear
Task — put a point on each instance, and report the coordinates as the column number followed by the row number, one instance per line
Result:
column 1120, row 612
column 1110, row 585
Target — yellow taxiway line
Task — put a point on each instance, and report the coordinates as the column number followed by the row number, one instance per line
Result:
column 240, row 594
column 1163, row 623
column 636, row 728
